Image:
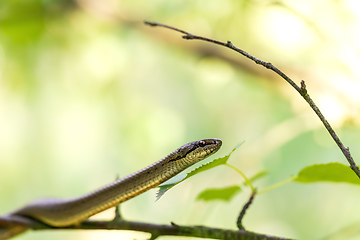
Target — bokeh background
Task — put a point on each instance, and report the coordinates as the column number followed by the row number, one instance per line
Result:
column 87, row 92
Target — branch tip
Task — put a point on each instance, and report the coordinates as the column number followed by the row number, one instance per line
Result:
column 117, row 216
column 229, row 44
column 152, row 24
column 174, row 224
column 303, row 90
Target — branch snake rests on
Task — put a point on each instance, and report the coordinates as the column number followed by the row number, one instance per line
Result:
column 67, row 212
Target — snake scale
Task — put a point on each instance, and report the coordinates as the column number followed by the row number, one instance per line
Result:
column 67, row 212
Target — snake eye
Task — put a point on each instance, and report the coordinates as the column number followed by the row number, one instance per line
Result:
column 202, row 143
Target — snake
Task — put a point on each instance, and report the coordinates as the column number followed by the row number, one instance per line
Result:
column 67, row 212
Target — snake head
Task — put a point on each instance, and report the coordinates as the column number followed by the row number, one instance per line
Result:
column 198, row 150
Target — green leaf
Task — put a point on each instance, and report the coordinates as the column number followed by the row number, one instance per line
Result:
column 226, row 193
column 259, row 175
column 330, row 172
column 222, row 194
column 207, row 166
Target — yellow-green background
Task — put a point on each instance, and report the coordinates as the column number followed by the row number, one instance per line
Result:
column 88, row 92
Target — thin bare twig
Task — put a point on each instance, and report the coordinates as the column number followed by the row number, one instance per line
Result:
column 118, row 216
column 243, row 211
column 301, row 90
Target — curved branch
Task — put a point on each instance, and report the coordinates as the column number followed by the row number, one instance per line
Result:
column 301, row 90
column 243, row 211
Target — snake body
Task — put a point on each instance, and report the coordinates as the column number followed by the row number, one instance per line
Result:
column 67, row 212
